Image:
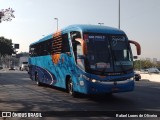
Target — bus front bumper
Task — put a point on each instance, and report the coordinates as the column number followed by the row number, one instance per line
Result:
column 94, row 87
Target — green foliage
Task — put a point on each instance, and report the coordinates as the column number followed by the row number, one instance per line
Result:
column 22, row 54
column 6, row 47
column 144, row 64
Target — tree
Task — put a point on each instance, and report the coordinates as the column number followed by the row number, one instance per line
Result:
column 6, row 14
column 22, row 54
column 6, row 47
column 144, row 64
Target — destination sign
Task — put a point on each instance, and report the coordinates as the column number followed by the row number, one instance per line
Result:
column 97, row 37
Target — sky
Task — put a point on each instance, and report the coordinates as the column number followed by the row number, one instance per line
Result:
column 140, row 20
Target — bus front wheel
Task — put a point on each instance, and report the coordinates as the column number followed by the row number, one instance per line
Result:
column 70, row 88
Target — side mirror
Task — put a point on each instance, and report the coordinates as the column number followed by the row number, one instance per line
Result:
column 83, row 44
column 135, row 57
column 138, row 47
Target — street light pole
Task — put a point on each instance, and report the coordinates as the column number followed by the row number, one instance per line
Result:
column 119, row 15
column 57, row 22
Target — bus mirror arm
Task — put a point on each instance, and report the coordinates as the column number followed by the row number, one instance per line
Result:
column 83, row 43
column 138, row 47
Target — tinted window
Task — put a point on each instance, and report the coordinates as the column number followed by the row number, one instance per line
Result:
column 41, row 49
column 65, row 44
column 60, row 44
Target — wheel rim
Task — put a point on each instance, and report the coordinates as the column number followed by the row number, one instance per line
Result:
column 70, row 87
column 37, row 80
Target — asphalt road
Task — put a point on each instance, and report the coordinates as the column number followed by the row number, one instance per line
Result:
column 19, row 93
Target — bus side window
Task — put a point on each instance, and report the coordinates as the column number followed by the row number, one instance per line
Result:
column 74, row 35
column 79, row 50
column 65, row 44
column 40, row 51
column 35, row 50
column 47, row 47
column 31, row 51
column 40, row 48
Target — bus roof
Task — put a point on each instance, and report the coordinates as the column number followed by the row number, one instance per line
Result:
column 85, row 28
column 43, row 39
column 94, row 29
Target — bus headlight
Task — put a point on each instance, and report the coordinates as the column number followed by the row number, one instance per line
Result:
column 132, row 78
column 94, row 80
column 89, row 79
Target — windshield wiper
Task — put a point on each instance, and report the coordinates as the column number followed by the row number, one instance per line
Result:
column 122, row 68
column 115, row 59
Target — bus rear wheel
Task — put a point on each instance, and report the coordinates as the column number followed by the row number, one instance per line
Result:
column 37, row 80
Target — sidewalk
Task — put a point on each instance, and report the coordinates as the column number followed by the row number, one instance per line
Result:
column 3, row 70
column 151, row 77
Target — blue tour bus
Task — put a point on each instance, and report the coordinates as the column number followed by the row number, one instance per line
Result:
column 88, row 59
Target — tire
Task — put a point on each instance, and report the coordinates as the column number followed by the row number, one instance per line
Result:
column 70, row 88
column 109, row 94
column 37, row 80
column 137, row 79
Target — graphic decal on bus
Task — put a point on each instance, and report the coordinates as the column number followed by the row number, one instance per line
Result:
column 55, row 58
column 56, row 47
column 45, row 75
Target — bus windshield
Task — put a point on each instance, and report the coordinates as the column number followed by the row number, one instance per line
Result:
column 121, row 53
column 107, row 53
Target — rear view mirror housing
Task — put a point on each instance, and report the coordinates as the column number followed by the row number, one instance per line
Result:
column 138, row 47
column 135, row 57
